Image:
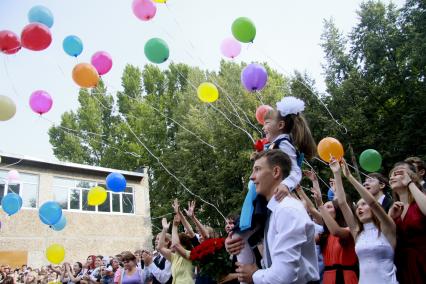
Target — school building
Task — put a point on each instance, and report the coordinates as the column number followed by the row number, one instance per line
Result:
column 121, row 223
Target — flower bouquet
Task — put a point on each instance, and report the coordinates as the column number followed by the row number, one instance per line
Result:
column 212, row 259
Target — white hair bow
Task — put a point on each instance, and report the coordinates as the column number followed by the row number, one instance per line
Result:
column 290, row 105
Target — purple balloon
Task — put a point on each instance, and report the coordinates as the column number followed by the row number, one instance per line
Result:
column 40, row 102
column 254, row 77
column 230, row 47
column 102, row 61
column 145, row 10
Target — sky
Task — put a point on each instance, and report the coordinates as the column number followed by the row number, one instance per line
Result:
column 288, row 39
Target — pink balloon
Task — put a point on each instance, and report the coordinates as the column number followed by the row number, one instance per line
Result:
column 102, row 61
column 40, row 102
column 260, row 113
column 144, row 9
column 230, row 47
column 13, row 176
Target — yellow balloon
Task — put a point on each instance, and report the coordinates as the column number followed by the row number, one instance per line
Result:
column 207, row 92
column 55, row 253
column 160, row 1
column 96, row 196
column 85, row 75
column 7, row 108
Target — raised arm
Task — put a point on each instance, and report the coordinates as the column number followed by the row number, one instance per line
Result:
column 341, row 198
column 185, row 223
column 316, row 215
column 71, row 274
column 166, row 252
column 175, row 238
column 417, row 194
column 200, row 227
column 329, row 221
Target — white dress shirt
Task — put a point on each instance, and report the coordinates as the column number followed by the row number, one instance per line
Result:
column 295, row 175
column 162, row 275
column 291, row 241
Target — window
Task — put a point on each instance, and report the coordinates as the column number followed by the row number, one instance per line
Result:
column 27, row 188
column 72, row 194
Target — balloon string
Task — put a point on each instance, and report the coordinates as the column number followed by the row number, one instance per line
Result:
column 169, row 172
column 309, row 89
column 6, row 69
column 349, row 165
column 10, row 165
column 257, row 93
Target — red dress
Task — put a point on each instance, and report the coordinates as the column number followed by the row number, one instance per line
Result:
column 340, row 255
column 410, row 252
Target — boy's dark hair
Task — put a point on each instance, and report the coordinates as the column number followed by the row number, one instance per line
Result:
column 276, row 158
column 381, row 178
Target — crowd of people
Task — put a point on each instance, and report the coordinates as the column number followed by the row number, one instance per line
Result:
column 281, row 235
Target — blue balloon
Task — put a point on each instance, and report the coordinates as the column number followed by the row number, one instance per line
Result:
column 73, row 45
column 116, row 182
column 40, row 14
column 50, row 212
column 11, row 203
column 330, row 194
column 60, row 225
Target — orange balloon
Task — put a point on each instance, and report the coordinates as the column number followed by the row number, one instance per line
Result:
column 85, row 75
column 330, row 147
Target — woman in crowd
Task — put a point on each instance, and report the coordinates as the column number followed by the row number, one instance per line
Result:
column 132, row 274
column 373, row 230
column 409, row 214
column 75, row 273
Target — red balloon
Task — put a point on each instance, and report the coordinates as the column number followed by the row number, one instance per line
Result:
column 36, row 37
column 9, row 42
column 261, row 111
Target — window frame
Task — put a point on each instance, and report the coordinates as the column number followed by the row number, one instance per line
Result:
column 95, row 183
column 22, row 183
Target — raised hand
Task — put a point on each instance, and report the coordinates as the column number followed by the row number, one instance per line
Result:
column 316, row 194
column 280, row 192
column 334, row 166
column 345, row 169
column 396, row 210
column 165, row 224
column 175, row 206
column 176, row 220
column 191, row 209
column 310, row 175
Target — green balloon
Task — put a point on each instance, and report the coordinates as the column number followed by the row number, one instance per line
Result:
column 244, row 30
column 156, row 50
column 370, row 160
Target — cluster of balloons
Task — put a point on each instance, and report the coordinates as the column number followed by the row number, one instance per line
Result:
column 50, row 213
column 243, row 30
column 86, row 75
column 55, row 253
column 12, row 202
column 329, row 148
column 40, row 102
column 35, row 36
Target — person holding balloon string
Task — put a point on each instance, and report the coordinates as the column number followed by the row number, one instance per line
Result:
column 287, row 130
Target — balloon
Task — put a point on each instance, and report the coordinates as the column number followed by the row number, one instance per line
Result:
column 330, row 194
column 261, row 111
column 96, row 196
column 40, row 14
column 60, row 225
column 7, row 108
column 230, row 47
column 11, row 203
column 55, row 253
column 9, row 42
column 330, row 147
column 207, row 92
column 160, row 1
column 36, row 37
column 85, row 75
column 370, row 160
column 144, row 9
column 72, row 45
column 254, row 77
column 40, row 102
column 13, row 177
column 244, row 30
column 102, row 61
column 156, row 50
column 50, row 212
column 116, row 182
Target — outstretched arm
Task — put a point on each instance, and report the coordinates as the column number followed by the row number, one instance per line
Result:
column 166, row 252
column 175, row 238
column 200, row 227
column 185, row 223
